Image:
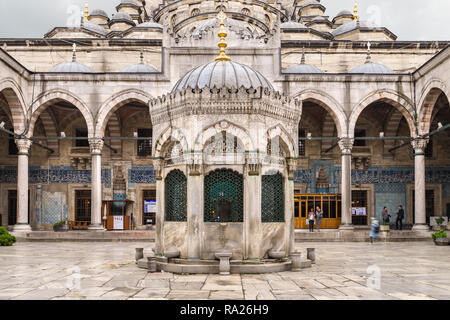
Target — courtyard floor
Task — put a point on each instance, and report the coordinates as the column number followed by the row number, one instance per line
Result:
column 77, row 270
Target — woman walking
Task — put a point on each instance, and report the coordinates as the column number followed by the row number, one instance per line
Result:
column 374, row 229
column 311, row 219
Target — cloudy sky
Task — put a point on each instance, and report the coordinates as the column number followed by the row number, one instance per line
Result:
column 408, row 19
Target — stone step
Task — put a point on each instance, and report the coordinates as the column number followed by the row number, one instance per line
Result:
column 98, row 236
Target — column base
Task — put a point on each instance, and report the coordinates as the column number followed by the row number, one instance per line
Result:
column 21, row 227
column 420, row 227
column 96, row 227
column 346, row 227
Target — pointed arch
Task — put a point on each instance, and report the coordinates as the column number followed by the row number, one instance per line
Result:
column 429, row 96
column 281, row 132
column 327, row 102
column 16, row 103
column 398, row 101
column 224, row 125
column 168, row 135
column 50, row 97
column 115, row 102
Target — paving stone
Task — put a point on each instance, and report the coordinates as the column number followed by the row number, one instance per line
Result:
column 226, row 295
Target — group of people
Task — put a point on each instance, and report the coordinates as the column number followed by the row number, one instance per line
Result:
column 315, row 217
column 400, row 215
column 375, row 224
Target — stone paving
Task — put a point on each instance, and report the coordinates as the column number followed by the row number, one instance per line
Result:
column 67, row 270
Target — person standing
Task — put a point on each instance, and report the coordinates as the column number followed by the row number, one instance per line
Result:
column 319, row 217
column 311, row 219
column 374, row 229
column 400, row 216
column 385, row 215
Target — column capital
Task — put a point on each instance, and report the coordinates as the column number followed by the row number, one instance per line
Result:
column 253, row 164
column 23, row 145
column 419, row 145
column 346, row 144
column 96, row 146
column 292, row 167
column 158, row 165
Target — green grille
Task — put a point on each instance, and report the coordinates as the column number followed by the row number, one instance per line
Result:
column 175, row 192
column 272, row 202
column 224, row 196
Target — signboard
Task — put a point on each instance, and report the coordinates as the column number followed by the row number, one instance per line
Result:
column 118, row 222
column 359, row 211
column 150, row 206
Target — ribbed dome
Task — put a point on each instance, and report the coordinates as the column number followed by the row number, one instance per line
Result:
column 374, row 68
column 350, row 26
column 122, row 16
column 94, row 27
column 139, row 68
column 302, row 68
column 71, row 67
column 150, row 24
column 99, row 12
column 292, row 25
column 222, row 74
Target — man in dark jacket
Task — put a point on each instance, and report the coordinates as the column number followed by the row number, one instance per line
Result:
column 400, row 216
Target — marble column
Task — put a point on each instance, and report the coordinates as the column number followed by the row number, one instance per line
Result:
column 194, row 211
column 23, row 145
column 419, row 146
column 289, row 206
column 96, row 185
column 159, row 223
column 252, row 214
column 346, row 145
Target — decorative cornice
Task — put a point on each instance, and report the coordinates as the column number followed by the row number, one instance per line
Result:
column 224, row 101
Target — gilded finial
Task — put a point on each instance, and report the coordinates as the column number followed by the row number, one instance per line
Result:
column 86, row 11
column 221, row 16
column 355, row 11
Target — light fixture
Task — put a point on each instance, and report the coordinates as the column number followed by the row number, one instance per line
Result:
column 63, row 134
column 382, row 134
column 309, row 135
column 2, row 125
column 135, row 134
column 439, row 125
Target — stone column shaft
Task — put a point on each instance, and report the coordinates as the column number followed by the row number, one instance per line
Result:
column 346, row 146
column 419, row 184
column 96, row 185
column 160, row 208
column 22, row 185
column 252, row 216
column 194, row 213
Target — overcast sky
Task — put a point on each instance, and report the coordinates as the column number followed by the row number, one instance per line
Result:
column 408, row 19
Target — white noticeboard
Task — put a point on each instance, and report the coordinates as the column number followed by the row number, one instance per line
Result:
column 359, row 211
column 150, row 206
column 118, row 222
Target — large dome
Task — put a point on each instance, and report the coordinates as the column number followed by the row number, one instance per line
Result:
column 222, row 74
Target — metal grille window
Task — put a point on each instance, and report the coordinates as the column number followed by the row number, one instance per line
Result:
column 224, row 200
column 272, row 199
column 175, row 193
column 301, row 143
column 83, row 205
column 144, row 147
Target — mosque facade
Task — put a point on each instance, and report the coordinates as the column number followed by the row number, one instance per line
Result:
column 140, row 121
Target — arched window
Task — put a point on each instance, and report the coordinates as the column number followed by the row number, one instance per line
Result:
column 173, row 20
column 223, row 194
column 245, row 11
column 272, row 197
column 195, row 12
column 175, row 196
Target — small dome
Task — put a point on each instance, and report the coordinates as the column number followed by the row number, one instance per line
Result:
column 350, row 26
column 150, row 24
column 222, row 74
column 302, row 68
column 122, row 16
column 128, row 2
column 94, row 27
column 139, row 68
column 292, row 25
column 373, row 68
column 74, row 67
column 344, row 13
column 99, row 12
